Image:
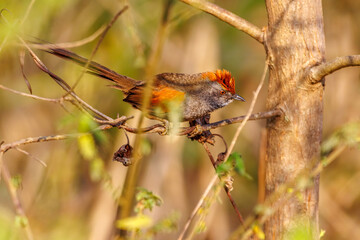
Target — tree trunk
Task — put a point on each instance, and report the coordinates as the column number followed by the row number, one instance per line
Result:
column 294, row 43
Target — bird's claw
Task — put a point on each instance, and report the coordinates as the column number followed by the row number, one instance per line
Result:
column 200, row 135
column 165, row 127
column 197, row 130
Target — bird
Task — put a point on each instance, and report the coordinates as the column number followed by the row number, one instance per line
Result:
column 193, row 95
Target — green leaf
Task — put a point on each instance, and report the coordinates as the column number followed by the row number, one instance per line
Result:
column 146, row 146
column 16, row 181
column 234, row 162
column 87, row 146
column 240, row 168
column 300, row 229
column 200, row 227
column 146, row 200
column 224, row 168
column 348, row 134
column 133, row 223
column 86, row 124
column 97, row 169
column 258, row 231
column 262, row 209
column 322, row 233
column 168, row 224
column 21, row 221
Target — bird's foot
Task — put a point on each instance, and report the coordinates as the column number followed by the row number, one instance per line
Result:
column 166, row 128
column 198, row 132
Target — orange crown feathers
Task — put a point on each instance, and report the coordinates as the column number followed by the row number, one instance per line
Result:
column 223, row 77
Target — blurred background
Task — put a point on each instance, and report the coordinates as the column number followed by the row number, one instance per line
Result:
column 76, row 193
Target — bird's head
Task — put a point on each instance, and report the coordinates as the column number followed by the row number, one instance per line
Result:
column 222, row 87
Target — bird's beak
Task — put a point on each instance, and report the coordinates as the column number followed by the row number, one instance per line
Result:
column 237, row 97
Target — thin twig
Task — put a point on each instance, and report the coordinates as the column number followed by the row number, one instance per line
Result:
column 31, row 156
column 102, row 36
column 28, row 9
column 54, row 100
column 15, row 145
column 29, row 140
column 106, row 125
column 15, row 198
column 59, row 101
column 229, row 18
column 197, row 207
column 227, row 190
column 22, row 64
column 251, row 108
column 62, row 83
column 6, row 37
column 81, row 42
column 326, row 68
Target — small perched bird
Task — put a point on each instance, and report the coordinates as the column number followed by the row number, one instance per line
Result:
column 193, row 95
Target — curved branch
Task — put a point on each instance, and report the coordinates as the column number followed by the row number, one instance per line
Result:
column 228, row 17
column 320, row 71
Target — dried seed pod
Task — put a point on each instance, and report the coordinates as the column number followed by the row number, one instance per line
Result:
column 124, row 153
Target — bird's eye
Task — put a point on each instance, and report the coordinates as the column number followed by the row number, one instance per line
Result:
column 222, row 92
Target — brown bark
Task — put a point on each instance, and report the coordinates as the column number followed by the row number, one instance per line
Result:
column 294, row 43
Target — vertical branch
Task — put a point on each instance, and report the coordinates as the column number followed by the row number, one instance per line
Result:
column 261, row 168
column 294, row 41
column 128, row 193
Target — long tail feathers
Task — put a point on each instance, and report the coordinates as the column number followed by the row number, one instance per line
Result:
column 122, row 82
